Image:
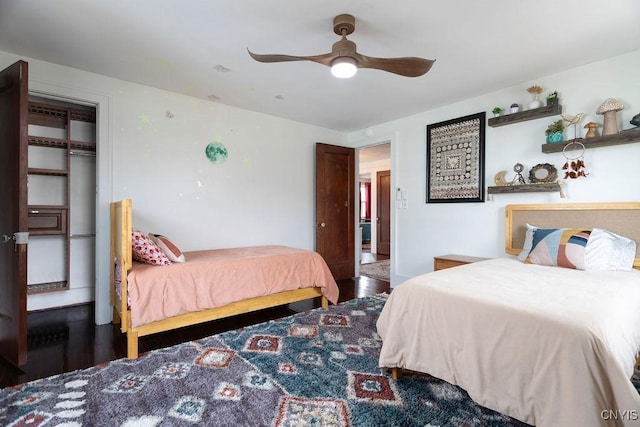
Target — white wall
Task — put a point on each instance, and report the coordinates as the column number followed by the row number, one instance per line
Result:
column 426, row 230
column 263, row 194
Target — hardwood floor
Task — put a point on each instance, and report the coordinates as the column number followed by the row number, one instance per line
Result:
column 67, row 339
column 367, row 257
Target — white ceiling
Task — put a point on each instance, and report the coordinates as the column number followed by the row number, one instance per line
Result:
column 374, row 153
column 187, row 47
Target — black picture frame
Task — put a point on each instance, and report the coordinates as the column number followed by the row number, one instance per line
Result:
column 455, row 160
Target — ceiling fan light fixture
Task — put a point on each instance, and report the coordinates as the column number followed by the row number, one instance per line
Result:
column 344, row 67
column 345, row 60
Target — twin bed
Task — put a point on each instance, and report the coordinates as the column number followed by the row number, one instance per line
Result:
column 548, row 345
column 209, row 285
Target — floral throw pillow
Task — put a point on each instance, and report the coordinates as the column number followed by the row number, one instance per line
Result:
column 145, row 251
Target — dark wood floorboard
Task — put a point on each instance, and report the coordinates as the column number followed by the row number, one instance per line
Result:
column 368, row 257
column 67, row 339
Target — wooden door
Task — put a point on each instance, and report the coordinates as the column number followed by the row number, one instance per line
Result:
column 383, row 209
column 13, row 214
column 336, row 208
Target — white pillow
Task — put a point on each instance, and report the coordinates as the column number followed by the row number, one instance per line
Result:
column 528, row 242
column 608, row 251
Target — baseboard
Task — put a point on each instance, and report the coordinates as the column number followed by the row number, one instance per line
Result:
column 397, row 279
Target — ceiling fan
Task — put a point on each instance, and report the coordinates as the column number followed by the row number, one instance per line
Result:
column 344, row 60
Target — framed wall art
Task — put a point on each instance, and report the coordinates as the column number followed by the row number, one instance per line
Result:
column 455, row 160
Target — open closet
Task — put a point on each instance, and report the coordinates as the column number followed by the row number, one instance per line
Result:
column 61, row 198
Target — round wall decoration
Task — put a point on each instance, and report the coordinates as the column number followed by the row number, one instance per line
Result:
column 216, row 152
column 543, row 172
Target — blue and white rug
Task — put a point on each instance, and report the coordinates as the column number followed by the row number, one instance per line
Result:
column 318, row 368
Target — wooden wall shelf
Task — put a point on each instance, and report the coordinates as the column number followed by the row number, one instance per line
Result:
column 624, row 137
column 523, row 116
column 525, row 188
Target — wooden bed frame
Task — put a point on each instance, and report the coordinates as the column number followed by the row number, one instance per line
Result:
column 121, row 227
column 618, row 218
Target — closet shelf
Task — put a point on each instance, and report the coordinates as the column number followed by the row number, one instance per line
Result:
column 624, row 137
column 85, row 146
column 49, row 172
column 54, row 116
column 39, row 288
column 41, row 141
column 523, row 116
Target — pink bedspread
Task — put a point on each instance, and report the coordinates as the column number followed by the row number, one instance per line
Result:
column 214, row 278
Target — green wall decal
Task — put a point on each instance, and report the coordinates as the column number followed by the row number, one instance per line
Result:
column 216, row 152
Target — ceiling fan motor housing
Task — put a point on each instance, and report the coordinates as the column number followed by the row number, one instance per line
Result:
column 344, row 47
column 344, row 22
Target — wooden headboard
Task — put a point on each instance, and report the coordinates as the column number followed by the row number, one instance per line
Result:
column 621, row 218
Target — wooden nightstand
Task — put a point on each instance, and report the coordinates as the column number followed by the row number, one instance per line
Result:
column 447, row 261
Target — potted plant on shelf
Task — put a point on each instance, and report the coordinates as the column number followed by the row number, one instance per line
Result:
column 552, row 98
column 554, row 131
column 497, row 111
column 514, row 108
column 535, row 92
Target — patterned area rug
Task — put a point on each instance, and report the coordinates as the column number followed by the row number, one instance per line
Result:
column 378, row 270
column 317, row 368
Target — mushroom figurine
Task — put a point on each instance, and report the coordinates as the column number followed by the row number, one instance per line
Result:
column 591, row 126
column 608, row 109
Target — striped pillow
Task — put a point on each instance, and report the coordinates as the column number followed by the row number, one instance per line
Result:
column 168, row 247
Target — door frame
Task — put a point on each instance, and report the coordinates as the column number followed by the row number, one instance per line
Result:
column 370, row 142
column 104, row 190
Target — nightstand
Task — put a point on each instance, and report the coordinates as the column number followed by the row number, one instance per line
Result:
column 447, row 261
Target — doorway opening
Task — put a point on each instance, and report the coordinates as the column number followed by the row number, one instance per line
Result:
column 374, row 210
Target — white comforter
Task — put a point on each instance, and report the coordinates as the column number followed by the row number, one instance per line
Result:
column 549, row 346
